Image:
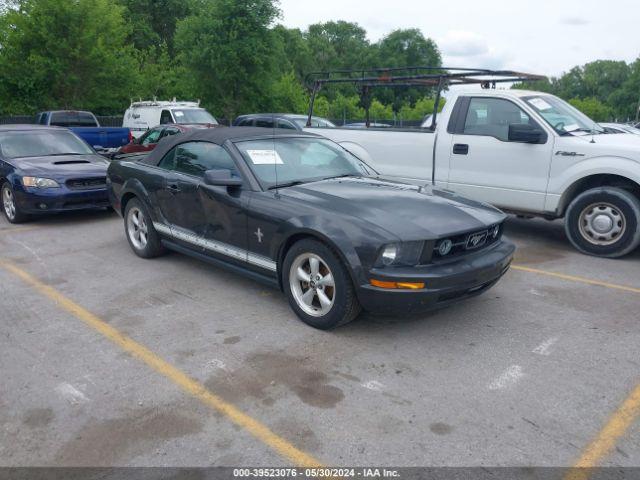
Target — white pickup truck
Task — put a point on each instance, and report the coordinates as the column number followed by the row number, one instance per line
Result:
column 526, row 152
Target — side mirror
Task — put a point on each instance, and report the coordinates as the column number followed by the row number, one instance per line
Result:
column 526, row 134
column 221, row 178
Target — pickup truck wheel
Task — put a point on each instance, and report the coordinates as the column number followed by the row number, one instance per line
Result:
column 142, row 236
column 604, row 222
column 9, row 206
column 318, row 286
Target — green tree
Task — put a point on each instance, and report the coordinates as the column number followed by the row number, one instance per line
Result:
column 322, row 108
column 570, row 84
column 603, row 77
column 379, row 112
column 592, row 108
column 292, row 49
column 154, row 21
column 406, row 48
column 626, row 100
column 288, row 95
column 337, row 45
column 227, row 48
column 162, row 76
column 345, row 108
column 70, row 54
column 422, row 108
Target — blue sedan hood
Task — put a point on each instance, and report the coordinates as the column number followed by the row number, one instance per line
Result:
column 62, row 166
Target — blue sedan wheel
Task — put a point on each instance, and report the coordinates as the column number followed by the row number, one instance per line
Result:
column 9, row 207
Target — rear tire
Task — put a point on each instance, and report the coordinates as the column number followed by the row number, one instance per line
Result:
column 604, row 222
column 141, row 235
column 10, row 208
column 318, row 286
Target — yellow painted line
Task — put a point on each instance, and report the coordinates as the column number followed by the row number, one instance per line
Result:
column 572, row 278
column 606, row 440
column 187, row 384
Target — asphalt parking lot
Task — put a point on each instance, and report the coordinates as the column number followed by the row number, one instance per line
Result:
column 103, row 357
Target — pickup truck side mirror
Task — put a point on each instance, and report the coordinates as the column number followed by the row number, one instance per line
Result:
column 524, row 133
column 221, row 178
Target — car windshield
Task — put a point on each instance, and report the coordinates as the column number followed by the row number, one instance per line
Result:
column 193, row 115
column 562, row 117
column 34, row 143
column 287, row 161
column 315, row 122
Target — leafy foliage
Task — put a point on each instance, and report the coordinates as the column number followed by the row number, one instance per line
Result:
column 65, row 54
column 593, row 108
column 231, row 54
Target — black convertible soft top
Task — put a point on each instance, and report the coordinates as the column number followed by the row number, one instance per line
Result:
column 219, row 135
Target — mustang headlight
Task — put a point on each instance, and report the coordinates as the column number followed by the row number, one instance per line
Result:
column 404, row 253
column 38, row 182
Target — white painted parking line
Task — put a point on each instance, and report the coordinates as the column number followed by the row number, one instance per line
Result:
column 507, row 378
column 545, row 347
column 373, row 385
column 71, row 393
column 217, row 364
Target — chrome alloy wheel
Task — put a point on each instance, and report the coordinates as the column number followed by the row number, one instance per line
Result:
column 137, row 228
column 602, row 224
column 312, row 284
column 8, row 202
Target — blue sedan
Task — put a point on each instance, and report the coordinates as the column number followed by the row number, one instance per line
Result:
column 47, row 170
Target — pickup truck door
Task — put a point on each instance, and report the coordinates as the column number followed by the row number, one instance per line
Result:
column 485, row 165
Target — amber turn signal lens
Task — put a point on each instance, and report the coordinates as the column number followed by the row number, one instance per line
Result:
column 397, row 285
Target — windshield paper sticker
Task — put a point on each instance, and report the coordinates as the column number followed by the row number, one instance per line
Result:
column 540, row 104
column 178, row 114
column 264, row 157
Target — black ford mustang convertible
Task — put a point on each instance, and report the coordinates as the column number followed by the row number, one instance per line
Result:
column 301, row 213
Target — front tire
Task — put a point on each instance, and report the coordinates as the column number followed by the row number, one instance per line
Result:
column 142, row 236
column 318, row 286
column 9, row 206
column 604, row 222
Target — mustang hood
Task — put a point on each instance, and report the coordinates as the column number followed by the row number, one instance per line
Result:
column 406, row 211
column 63, row 166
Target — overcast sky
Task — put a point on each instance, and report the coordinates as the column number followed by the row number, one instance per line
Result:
column 546, row 37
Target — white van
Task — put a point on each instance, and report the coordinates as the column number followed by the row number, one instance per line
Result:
column 141, row 116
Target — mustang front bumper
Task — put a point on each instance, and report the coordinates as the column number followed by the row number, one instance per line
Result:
column 445, row 282
column 50, row 200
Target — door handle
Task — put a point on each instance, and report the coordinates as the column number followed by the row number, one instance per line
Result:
column 461, row 149
column 173, row 188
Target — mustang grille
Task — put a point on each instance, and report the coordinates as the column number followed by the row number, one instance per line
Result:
column 87, row 183
column 465, row 243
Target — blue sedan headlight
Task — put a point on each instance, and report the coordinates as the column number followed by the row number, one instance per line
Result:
column 38, row 182
column 403, row 253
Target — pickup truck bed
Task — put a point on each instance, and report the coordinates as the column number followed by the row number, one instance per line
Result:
column 87, row 127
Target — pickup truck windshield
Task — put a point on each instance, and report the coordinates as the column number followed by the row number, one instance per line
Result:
column 73, row 119
column 193, row 115
column 34, row 143
column 288, row 161
column 564, row 118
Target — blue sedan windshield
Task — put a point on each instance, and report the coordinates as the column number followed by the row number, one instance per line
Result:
column 41, row 143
